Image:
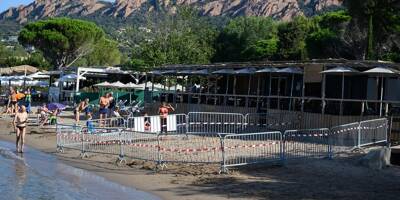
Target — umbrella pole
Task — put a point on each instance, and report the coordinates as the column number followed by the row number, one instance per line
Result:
column 234, row 90
column 291, row 93
column 279, row 93
column 323, row 93
column 176, row 88
column 302, row 93
column 226, row 90
column 269, row 91
column 215, row 90
column 381, row 102
column 341, row 101
column 199, row 96
column 248, row 92
column 258, row 91
column 152, row 87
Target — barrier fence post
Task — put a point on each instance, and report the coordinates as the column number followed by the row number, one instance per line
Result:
column 330, row 143
column 83, row 152
column 223, row 168
column 283, row 148
column 121, row 158
column 359, row 136
column 159, row 159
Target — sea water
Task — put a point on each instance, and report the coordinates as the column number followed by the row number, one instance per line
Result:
column 36, row 175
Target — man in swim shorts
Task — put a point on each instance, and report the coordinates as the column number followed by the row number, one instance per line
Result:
column 103, row 111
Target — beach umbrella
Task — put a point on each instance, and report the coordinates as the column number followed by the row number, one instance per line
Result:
column 117, row 84
column 54, row 106
column 343, row 71
column 70, row 78
column 37, row 83
column 227, row 73
column 382, row 72
column 292, row 71
column 103, row 84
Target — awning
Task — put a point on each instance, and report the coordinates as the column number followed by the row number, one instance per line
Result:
column 340, row 70
column 224, row 71
column 155, row 72
column 201, row 72
column 185, row 72
column 267, row 70
column 39, row 75
column 244, row 71
column 168, row 72
column 290, row 70
column 382, row 71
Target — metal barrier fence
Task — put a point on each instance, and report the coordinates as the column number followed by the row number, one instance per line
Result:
column 345, row 137
column 373, row 131
column 140, row 145
column 69, row 136
column 193, row 148
column 355, row 135
column 216, row 145
column 309, row 143
column 209, row 122
column 244, row 149
column 101, row 140
column 115, row 122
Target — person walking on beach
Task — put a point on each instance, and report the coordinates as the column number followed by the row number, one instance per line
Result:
column 20, row 123
column 13, row 100
column 82, row 106
column 28, row 100
column 103, row 111
column 163, row 110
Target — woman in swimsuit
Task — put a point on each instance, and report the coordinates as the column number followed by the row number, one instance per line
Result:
column 20, row 120
column 163, row 111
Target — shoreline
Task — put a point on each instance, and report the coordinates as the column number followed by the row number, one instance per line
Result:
column 340, row 178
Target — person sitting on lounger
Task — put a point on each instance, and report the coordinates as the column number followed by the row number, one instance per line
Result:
column 43, row 113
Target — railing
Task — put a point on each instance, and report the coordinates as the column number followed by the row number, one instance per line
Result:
column 221, row 138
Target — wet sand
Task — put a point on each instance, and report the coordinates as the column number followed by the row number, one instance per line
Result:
column 341, row 178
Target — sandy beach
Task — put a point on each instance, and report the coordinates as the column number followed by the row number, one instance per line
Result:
column 341, row 178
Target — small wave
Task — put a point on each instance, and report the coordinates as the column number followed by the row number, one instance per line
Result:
column 7, row 153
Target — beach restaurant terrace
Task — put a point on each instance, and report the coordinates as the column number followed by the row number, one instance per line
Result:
column 337, row 87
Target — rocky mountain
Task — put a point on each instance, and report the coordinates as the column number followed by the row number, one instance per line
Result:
column 280, row 9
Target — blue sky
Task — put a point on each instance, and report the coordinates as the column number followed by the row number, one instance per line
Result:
column 5, row 4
